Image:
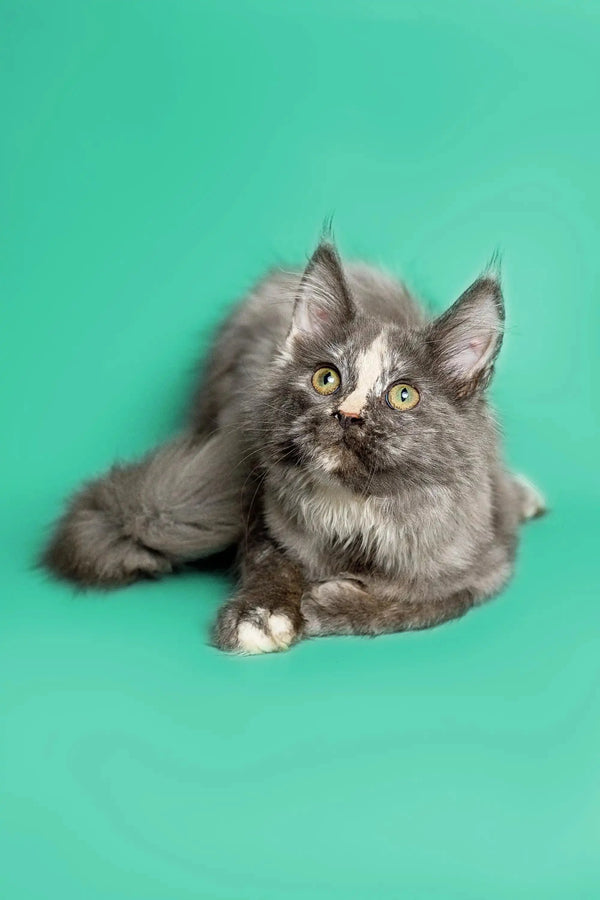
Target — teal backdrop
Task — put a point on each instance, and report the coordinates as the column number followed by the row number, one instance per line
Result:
column 156, row 157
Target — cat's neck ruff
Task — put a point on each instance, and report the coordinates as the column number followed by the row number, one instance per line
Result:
column 312, row 513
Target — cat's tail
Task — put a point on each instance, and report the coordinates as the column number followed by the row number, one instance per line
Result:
column 182, row 502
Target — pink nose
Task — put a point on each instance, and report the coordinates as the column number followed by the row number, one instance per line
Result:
column 346, row 419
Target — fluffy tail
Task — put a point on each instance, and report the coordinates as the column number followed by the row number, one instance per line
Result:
column 182, row 502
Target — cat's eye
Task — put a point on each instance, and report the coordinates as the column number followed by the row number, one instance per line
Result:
column 402, row 396
column 326, row 380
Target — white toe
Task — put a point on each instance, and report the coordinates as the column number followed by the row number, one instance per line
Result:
column 252, row 639
column 281, row 629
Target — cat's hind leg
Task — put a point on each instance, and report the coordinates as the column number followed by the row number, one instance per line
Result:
column 142, row 519
column 530, row 500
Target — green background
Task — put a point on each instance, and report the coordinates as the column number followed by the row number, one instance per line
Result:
column 156, row 157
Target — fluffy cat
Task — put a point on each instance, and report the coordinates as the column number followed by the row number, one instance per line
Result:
column 342, row 439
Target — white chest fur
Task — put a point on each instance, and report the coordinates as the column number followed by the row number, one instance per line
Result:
column 422, row 537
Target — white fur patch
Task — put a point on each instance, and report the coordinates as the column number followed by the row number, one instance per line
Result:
column 328, row 461
column 277, row 634
column 252, row 639
column 281, row 629
column 370, row 368
column 385, row 529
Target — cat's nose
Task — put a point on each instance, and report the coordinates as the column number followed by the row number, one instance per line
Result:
column 346, row 419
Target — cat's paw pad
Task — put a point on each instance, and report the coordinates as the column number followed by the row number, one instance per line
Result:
column 264, row 632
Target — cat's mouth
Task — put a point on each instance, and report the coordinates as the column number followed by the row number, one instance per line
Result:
column 352, row 442
column 342, row 457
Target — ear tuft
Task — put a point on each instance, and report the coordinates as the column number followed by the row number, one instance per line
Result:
column 323, row 302
column 493, row 270
column 466, row 339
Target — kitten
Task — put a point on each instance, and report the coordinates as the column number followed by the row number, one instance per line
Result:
column 342, row 439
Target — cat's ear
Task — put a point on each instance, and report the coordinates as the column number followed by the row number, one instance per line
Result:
column 323, row 302
column 466, row 339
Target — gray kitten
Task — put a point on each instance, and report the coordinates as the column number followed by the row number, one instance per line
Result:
column 343, row 441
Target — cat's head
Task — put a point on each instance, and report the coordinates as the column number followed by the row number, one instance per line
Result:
column 373, row 404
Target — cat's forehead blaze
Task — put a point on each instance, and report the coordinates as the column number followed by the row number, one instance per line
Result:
column 370, row 356
column 369, row 369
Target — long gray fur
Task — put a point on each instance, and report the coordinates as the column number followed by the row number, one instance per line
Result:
column 383, row 521
column 142, row 519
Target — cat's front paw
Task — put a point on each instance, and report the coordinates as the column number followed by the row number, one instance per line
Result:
column 252, row 631
column 333, row 607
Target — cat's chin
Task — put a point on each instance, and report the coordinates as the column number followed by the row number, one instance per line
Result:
column 339, row 463
column 329, row 461
column 341, row 466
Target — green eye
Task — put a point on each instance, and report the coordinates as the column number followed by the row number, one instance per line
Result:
column 402, row 397
column 326, row 380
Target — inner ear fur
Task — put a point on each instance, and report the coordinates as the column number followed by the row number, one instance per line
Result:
column 466, row 339
column 323, row 302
